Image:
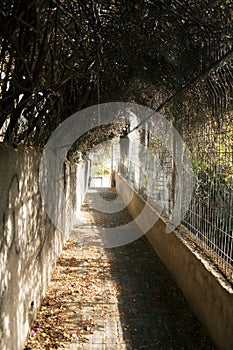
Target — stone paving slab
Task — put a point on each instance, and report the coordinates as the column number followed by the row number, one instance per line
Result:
column 112, row 299
column 145, row 308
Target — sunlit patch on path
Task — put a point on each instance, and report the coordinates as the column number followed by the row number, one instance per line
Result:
column 108, row 299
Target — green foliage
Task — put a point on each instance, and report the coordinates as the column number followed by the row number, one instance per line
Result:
column 212, row 162
column 100, row 170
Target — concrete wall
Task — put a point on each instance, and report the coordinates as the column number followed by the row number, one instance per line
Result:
column 208, row 294
column 29, row 243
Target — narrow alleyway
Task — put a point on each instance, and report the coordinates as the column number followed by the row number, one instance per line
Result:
column 109, row 299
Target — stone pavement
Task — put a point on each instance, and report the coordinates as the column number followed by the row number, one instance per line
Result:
column 137, row 305
column 115, row 298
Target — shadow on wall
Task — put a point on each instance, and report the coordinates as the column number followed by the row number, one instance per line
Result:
column 29, row 243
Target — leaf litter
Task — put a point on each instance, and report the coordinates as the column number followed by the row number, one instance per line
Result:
column 75, row 282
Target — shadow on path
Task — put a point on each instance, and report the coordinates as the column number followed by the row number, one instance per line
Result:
column 153, row 312
column 112, row 299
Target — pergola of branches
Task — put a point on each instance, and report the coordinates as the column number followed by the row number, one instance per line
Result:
column 60, row 56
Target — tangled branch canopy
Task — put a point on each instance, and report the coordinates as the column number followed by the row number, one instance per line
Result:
column 60, row 56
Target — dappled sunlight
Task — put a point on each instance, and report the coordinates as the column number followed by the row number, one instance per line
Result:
column 79, row 302
column 30, row 245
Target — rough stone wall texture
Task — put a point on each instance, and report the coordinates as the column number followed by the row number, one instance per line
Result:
column 29, row 242
column 209, row 295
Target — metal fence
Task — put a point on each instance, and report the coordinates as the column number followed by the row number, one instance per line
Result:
column 202, row 112
column 209, row 216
